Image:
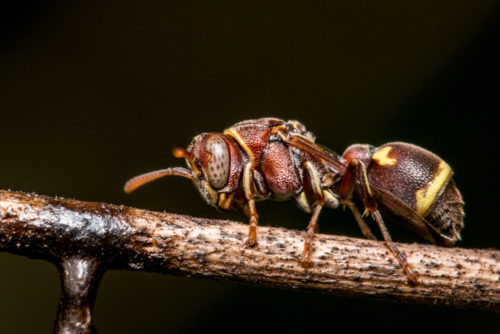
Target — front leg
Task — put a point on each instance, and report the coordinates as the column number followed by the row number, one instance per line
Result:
column 254, row 221
column 249, row 206
column 356, row 173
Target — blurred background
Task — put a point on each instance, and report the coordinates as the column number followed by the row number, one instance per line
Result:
column 92, row 93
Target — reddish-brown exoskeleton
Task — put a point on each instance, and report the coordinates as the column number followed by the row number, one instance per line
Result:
column 270, row 158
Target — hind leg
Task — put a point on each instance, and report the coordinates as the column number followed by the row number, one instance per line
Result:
column 356, row 173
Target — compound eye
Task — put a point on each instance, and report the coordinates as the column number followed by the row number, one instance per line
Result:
column 218, row 164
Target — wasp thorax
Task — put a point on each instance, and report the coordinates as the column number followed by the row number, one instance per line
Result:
column 217, row 168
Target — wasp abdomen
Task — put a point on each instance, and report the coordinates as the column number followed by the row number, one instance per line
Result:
column 413, row 174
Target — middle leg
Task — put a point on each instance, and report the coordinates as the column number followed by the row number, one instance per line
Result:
column 314, row 193
column 311, row 228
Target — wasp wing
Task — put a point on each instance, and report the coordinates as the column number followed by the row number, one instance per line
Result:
column 306, row 145
column 393, row 207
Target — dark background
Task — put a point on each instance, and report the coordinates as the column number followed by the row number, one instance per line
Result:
column 92, row 93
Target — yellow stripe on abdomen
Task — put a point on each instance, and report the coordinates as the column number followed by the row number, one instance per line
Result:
column 382, row 157
column 426, row 196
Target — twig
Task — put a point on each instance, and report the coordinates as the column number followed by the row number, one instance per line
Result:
column 83, row 239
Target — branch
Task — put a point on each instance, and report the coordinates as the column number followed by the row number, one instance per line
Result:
column 83, row 239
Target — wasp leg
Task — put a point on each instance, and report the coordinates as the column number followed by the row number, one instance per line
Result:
column 311, row 228
column 365, row 229
column 356, row 173
column 410, row 273
column 254, row 220
column 250, row 204
column 314, row 193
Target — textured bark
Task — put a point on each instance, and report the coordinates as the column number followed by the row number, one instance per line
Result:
column 91, row 237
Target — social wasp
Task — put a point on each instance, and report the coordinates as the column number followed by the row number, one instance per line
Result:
column 270, row 158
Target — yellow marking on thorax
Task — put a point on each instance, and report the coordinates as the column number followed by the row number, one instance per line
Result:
column 426, row 196
column 382, row 157
column 237, row 137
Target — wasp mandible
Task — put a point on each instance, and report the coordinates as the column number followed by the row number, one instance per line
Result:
column 270, row 158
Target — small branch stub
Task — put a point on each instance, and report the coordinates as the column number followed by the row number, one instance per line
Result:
column 79, row 278
column 84, row 239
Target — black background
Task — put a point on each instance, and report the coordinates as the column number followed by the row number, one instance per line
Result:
column 92, row 93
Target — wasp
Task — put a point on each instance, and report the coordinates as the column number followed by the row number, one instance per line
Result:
column 270, row 158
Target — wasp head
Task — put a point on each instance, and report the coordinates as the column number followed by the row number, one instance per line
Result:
column 213, row 164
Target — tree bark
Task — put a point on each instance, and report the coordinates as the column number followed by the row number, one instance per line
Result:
column 84, row 237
